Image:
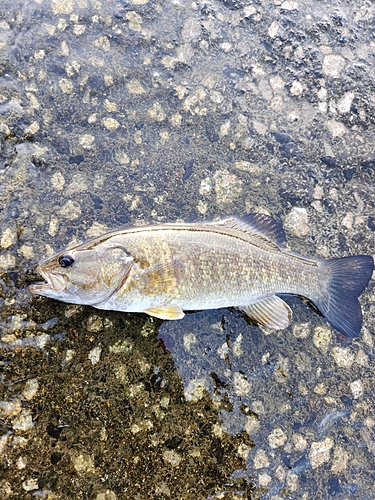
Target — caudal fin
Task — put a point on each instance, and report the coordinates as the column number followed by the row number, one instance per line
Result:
column 349, row 276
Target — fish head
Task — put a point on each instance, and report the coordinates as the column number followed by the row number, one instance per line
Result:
column 84, row 275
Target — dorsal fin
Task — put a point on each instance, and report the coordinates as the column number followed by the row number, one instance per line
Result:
column 260, row 224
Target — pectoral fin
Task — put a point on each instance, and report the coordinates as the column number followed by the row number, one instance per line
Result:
column 162, row 278
column 167, row 312
column 271, row 312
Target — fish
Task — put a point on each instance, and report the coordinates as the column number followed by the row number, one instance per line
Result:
column 242, row 262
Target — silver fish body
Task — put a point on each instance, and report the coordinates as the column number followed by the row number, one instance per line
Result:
column 167, row 269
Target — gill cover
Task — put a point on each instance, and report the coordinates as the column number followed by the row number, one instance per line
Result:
column 84, row 276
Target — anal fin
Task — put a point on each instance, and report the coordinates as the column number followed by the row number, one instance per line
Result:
column 166, row 312
column 271, row 312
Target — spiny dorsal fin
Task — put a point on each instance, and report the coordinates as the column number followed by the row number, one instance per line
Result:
column 271, row 312
column 260, row 224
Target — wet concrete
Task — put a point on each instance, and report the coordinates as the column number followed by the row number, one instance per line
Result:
column 122, row 113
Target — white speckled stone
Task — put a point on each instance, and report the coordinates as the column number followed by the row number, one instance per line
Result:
column 83, row 463
column 322, row 338
column 297, row 221
column 357, row 389
column 30, row 389
column 333, row 65
column 261, row 460
column 172, row 458
column 196, row 389
column 343, row 356
column 337, row 129
column 277, row 438
column 240, row 384
column 320, row 452
column 94, row 355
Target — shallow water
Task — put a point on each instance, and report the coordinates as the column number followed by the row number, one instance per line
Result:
column 137, row 112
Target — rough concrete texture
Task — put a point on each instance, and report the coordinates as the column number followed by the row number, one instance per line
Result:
column 145, row 111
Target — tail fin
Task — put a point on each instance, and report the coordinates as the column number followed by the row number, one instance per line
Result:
column 340, row 306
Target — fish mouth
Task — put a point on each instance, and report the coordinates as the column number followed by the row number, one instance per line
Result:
column 53, row 284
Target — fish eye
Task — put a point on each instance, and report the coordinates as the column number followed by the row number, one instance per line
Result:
column 66, row 261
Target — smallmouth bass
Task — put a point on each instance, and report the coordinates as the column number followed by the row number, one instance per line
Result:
column 166, row 269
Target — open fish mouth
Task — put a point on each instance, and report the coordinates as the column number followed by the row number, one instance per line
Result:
column 52, row 284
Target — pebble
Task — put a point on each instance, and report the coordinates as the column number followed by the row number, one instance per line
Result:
column 79, row 29
column 357, row 389
column 343, row 356
column 273, row 29
column 157, row 113
column 300, row 443
column 296, row 88
column 86, row 141
column 71, row 210
column 333, row 65
column 289, row 5
column 121, row 346
column 83, row 462
column 297, row 221
column 106, row 495
column 8, row 238
column 348, row 220
column 21, row 462
column 103, row 43
column 30, row 389
column 135, row 20
column 252, row 426
column 7, row 261
column 277, row 438
column 94, row 355
column 337, row 129
column 264, row 479
column 202, row 207
column 27, row 251
column 66, row 86
column 261, row 460
column 196, row 389
column 320, row 389
column 320, row 452
column 134, row 87
column 243, row 451
column 64, row 49
column 322, row 338
column 30, row 484
column 58, row 181
column 32, row 129
column 24, row 422
column 62, row 6
column 301, row 330
column 344, row 104
column 110, row 106
column 240, row 384
column 172, row 458
column 53, row 226
column 110, row 123
column 236, row 346
column 205, row 187
column 189, row 342
column 94, row 324
column 228, row 187
column 292, row 481
column 10, row 408
column 340, row 460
